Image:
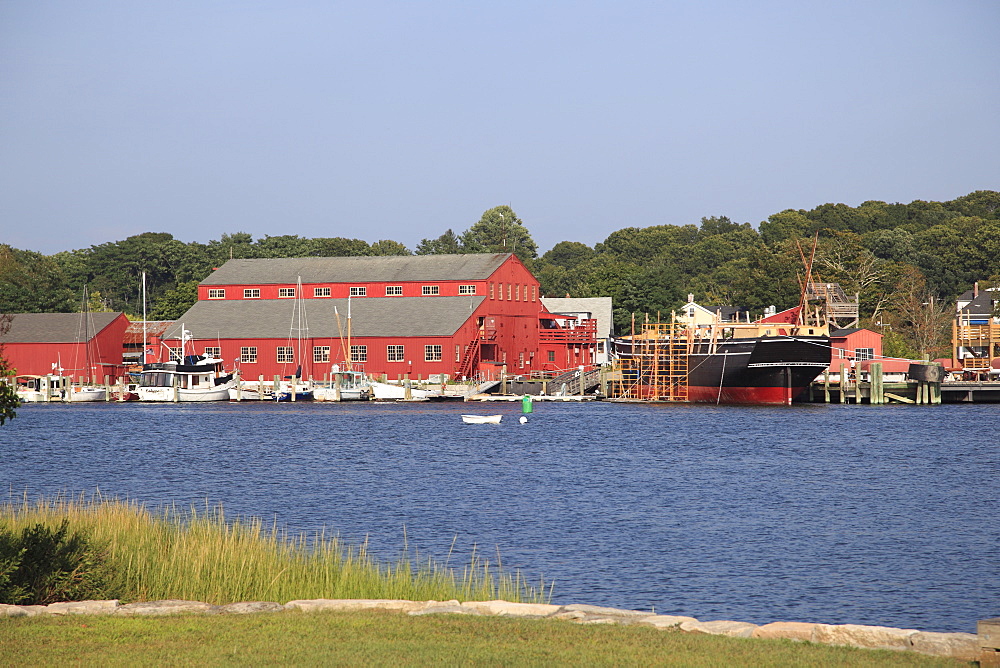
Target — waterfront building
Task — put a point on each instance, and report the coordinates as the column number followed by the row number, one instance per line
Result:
column 426, row 315
column 79, row 346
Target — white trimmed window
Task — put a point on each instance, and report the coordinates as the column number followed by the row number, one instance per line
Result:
column 432, row 353
column 534, row 293
column 467, row 289
column 321, row 354
column 430, row 290
column 285, row 354
column 251, row 293
column 286, row 292
column 393, row 290
column 864, row 354
column 175, row 354
column 321, row 292
column 359, row 354
column 491, row 291
column 248, row 354
column 458, row 353
column 510, row 287
column 394, row 353
column 215, row 352
column 216, row 293
column 358, row 291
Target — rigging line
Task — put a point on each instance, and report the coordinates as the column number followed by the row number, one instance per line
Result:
column 722, row 376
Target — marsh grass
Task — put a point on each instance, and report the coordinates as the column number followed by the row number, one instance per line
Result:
column 202, row 555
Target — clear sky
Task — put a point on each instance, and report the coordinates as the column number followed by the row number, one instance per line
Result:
column 399, row 120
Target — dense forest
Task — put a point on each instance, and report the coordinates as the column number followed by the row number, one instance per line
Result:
column 907, row 262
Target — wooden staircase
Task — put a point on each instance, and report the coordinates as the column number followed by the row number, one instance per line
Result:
column 469, row 359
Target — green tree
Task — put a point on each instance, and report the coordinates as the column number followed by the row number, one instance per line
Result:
column 32, row 283
column 446, row 244
column 568, row 254
column 9, row 400
column 175, row 302
column 499, row 230
column 389, row 247
column 340, row 247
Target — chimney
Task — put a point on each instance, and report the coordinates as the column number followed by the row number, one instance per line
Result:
column 975, row 289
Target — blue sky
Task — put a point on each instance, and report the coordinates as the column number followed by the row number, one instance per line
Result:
column 399, row 120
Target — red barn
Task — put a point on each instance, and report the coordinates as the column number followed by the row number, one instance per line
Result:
column 460, row 315
column 84, row 347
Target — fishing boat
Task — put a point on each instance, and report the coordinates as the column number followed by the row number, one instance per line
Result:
column 482, row 419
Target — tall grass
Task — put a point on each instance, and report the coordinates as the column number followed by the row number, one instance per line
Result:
column 201, row 555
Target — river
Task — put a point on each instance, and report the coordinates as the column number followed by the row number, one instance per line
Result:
column 882, row 515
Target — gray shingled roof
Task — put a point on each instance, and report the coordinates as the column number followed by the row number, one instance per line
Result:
column 357, row 269
column 272, row 318
column 600, row 307
column 55, row 327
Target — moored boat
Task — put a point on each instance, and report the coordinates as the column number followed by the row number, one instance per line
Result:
column 482, row 419
column 757, row 363
column 199, row 379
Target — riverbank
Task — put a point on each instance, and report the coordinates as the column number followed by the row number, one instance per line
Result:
column 554, row 636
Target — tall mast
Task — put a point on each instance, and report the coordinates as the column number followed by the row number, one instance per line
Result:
column 144, row 339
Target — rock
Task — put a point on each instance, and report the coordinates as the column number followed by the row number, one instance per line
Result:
column 446, row 609
column 961, row 646
column 35, row 610
column 720, row 627
column 82, row 608
column 348, row 605
column 604, row 612
column 12, row 611
column 786, row 630
column 249, row 607
column 508, row 609
column 857, row 635
column 665, row 621
column 170, row 607
column 571, row 615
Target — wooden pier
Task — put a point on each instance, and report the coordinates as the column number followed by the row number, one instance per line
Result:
column 873, row 389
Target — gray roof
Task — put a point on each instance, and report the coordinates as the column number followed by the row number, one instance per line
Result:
column 598, row 307
column 981, row 304
column 375, row 316
column 55, row 327
column 381, row 268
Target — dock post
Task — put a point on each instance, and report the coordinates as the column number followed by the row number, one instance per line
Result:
column 407, row 390
column 277, row 387
column 875, row 383
column 107, row 389
column 260, row 381
column 336, row 386
column 826, row 386
column 843, row 383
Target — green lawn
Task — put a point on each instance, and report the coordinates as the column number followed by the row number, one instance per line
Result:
column 392, row 639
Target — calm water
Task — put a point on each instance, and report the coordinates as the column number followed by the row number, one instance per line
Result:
column 873, row 515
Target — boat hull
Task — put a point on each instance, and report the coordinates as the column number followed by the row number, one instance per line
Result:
column 769, row 370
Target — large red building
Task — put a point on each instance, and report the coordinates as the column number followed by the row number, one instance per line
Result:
column 83, row 347
column 460, row 315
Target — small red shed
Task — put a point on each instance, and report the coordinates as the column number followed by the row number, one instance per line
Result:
column 82, row 346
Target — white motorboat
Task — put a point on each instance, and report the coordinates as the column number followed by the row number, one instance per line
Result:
column 482, row 419
column 391, row 392
column 353, row 386
column 33, row 389
column 199, row 380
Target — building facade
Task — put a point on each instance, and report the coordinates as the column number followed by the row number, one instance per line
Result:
column 431, row 315
column 85, row 347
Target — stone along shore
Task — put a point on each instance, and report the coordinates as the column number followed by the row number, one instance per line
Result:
column 963, row 646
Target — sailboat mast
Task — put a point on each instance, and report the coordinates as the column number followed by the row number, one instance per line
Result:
column 144, row 339
column 349, row 367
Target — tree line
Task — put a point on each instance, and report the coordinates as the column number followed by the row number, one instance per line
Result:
column 908, row 262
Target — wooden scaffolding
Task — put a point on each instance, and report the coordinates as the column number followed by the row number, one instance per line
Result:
column 656, row 368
